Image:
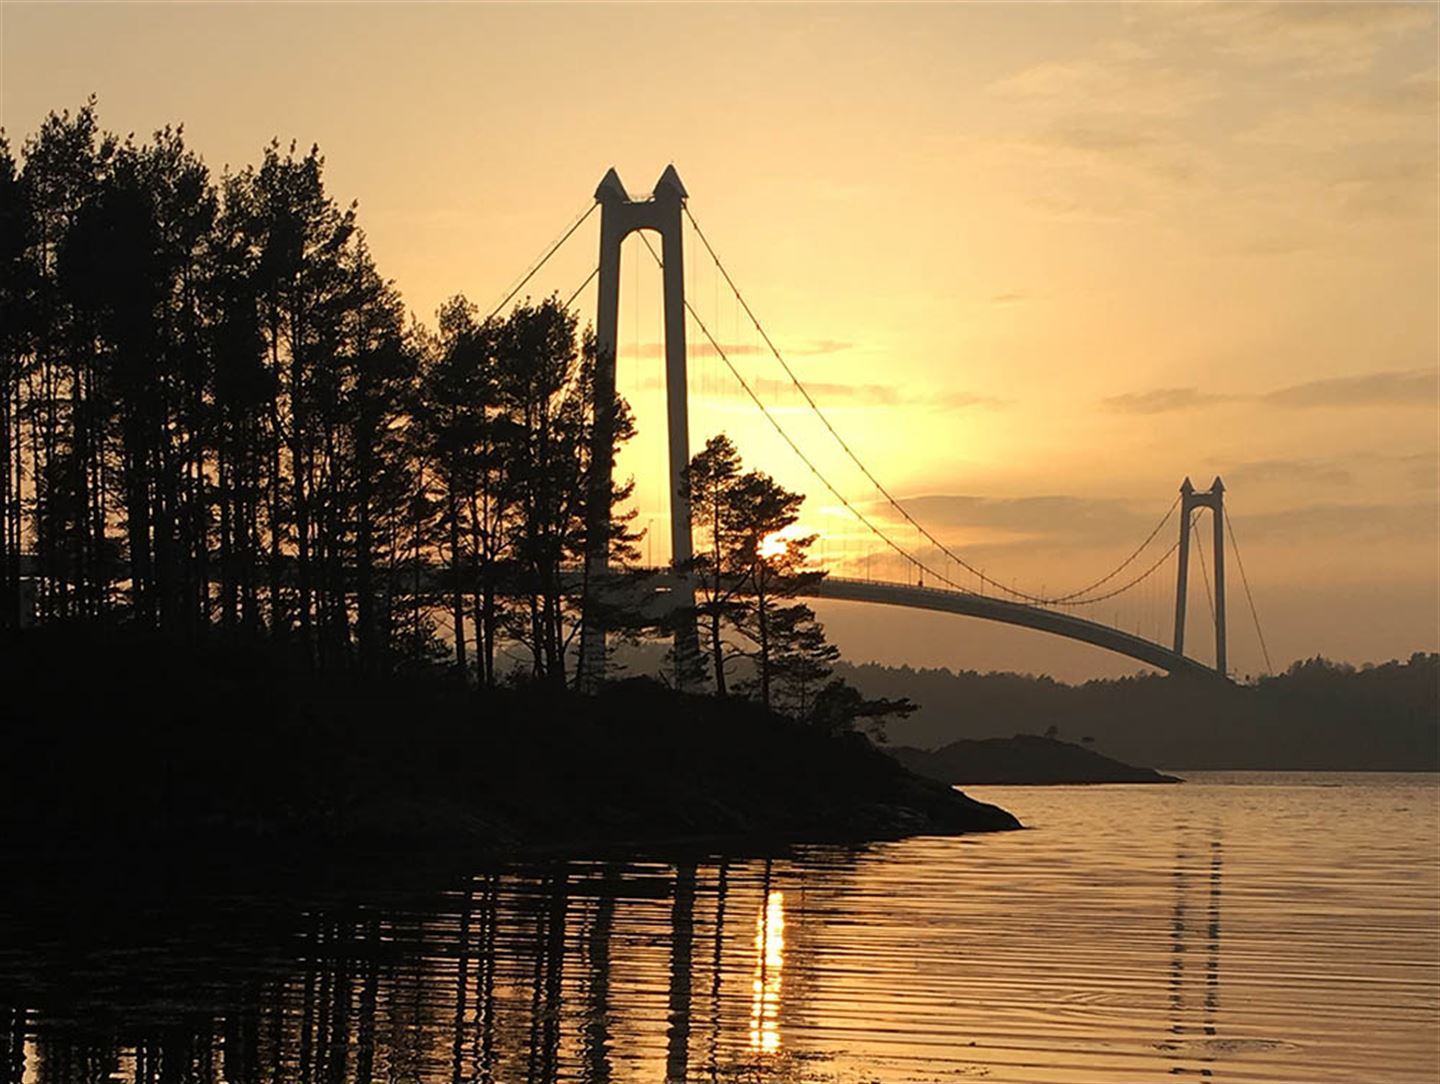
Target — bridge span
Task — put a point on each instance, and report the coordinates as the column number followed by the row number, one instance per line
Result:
column 945, row 600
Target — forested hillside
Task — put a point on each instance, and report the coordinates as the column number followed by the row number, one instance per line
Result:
column 1317, row 715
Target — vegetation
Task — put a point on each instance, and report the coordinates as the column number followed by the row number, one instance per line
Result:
column 1318, row 715
column 215, row 418
column 750, row 564
column 247, row 751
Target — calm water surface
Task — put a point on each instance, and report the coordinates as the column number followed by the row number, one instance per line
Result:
column 1238, row 928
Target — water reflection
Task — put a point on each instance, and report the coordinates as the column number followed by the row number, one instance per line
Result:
column 1185, row 1020
column 534, row 974
column 769, row 970
column 1151, row 935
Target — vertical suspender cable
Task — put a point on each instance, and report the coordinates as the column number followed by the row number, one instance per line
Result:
column 1244, row 580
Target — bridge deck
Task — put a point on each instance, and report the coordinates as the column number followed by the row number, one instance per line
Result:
column 1011, row 613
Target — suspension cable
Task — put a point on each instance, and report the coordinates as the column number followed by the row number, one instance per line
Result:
column 543, row 260
column 860, row 516
column 1072, row 597
column 1150, row 571
column 1245, row 582
column 720, row 351
column 581, row 288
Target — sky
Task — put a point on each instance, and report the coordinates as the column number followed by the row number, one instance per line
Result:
column 1037, row 263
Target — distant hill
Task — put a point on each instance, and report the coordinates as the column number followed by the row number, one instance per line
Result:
column 1317, row 716
column 1025, row 758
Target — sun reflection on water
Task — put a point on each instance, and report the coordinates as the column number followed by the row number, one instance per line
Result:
column 769, row 964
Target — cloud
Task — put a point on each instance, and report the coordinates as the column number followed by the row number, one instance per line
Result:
column 698, row 347
column 963, row 400
column 1000, row 524
column 1395, row 388
column 1310, row 524
column 1398, row 188
column 1308, row 38
column 829, row 392
column 1129, row 77
column 1123, row 148
column 779, row 391
column 1008, row 299
column 1423, row 470
column 1397, row 112
column 1319, row 472
column 1411, row 387
column 1162, row 400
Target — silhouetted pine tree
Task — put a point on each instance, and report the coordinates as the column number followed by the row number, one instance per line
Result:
column 214, row 414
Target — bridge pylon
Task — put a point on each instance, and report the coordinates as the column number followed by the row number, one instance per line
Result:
column 1191, row 499
column 620, row 216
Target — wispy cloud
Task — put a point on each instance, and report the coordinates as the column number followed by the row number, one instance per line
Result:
column 1305, row 38
column 987, row 529
column 998, row 524
column 1393, row 388
column 1411, row 387
column 701, row 348
column 963, row 400
column 1319, row 472
column 1423, row 471
column 1162, row 400
column 1411, row 520
column 778, row 391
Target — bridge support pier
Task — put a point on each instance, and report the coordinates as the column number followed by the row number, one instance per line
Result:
column 1191, row 499
column 620, row 215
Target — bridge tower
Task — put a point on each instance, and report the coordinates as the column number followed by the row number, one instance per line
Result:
column 620, row 216
column 1213, row 499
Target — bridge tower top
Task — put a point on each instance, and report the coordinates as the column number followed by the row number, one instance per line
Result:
column 1191, row 499
column 621, row 215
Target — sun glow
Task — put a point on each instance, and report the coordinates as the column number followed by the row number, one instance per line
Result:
column 765, row 985
column 777, row 543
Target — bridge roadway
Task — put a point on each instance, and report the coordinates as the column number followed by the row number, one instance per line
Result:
column 944, row 600
column 658, row 584
column 966, row 604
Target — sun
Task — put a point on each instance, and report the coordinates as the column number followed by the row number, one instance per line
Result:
column 777, row 543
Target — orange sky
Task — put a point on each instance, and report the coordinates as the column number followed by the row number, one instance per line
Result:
column 1040, row 262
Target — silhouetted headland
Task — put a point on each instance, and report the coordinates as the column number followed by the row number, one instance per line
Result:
column 1026, row 759
column 130, row 741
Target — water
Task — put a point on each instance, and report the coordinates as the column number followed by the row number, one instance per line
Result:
column 1241, row 927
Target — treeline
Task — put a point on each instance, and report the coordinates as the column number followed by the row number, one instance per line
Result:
column 1318, row 715
column 217, row 419
column 216, row 415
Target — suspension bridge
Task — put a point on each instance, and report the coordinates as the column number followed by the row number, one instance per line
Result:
column 938, row 577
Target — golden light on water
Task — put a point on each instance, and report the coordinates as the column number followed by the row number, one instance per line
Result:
column 769, row 964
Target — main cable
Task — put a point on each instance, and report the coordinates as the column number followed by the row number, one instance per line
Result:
column 542, row 261
column 1073, row 597
column 581, row 288
column 860, row 516
column 1245, row 582
column 719, row 350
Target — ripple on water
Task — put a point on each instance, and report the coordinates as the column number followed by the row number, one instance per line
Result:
column 1245, row 929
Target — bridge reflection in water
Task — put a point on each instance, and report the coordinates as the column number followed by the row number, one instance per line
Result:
column 579, row 971
column 1247, row 929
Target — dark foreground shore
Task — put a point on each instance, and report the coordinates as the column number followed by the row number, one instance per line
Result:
column 124, row 744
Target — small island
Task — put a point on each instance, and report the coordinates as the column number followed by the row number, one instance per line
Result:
column 1023, row 759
